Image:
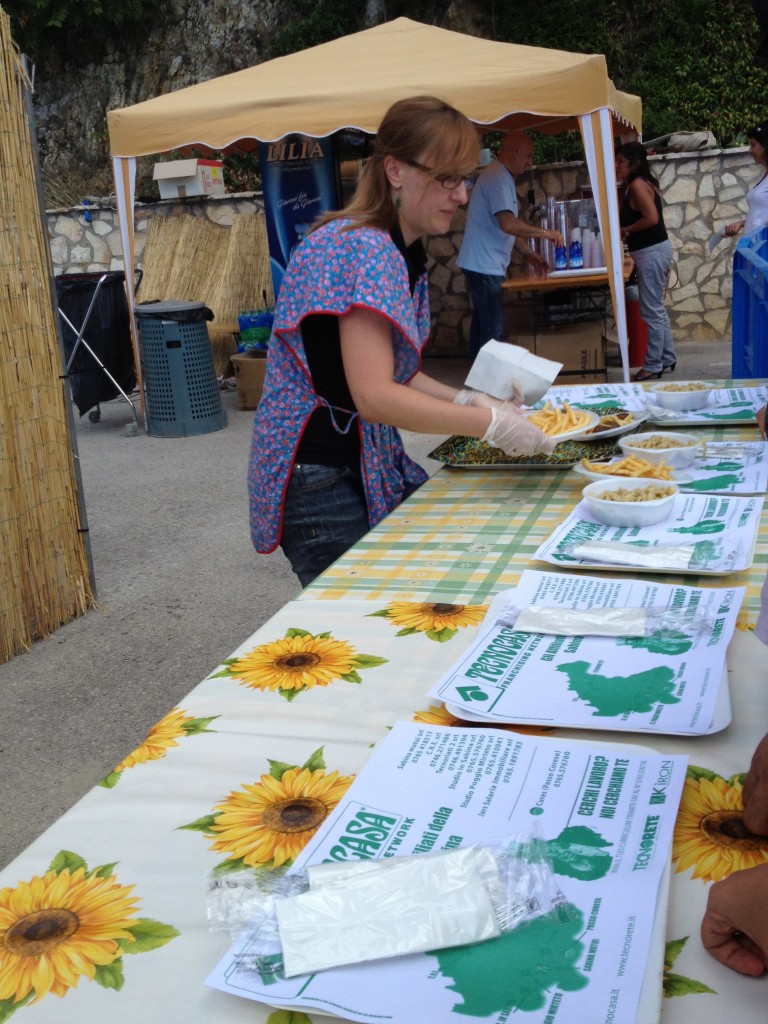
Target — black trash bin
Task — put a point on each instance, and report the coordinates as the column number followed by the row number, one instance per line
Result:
column 106, row 332
column 180, row 386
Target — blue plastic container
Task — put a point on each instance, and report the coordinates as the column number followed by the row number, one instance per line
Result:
column 255, row 329
column 749, row 319
column 180, row 385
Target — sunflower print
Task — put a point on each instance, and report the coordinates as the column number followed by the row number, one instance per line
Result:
column 299, row 661
column 710, row 835
column 440, row 622
column 67, row 924
column 438, row 714
column 743, row 623
column 268, row 823
column 159, row 740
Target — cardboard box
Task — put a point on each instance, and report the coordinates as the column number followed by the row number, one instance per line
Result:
column 574, row 377
column 178, row 179
column 250, row 368
column 579, row 347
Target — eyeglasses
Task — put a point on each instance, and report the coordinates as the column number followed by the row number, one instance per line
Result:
column 447, row 181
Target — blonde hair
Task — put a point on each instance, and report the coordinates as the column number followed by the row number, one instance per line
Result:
column 419, row 127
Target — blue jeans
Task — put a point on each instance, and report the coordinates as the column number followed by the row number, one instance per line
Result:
column 325, row 514
column 487, row 309
column 652, row 266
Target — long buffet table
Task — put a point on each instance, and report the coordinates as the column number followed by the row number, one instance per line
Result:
column 248, row 764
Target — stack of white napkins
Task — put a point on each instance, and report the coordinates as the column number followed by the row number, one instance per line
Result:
column 502, row 370
column 389, row 908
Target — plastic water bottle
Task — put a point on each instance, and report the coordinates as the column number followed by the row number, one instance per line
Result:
column 560, row 260
column 575, row 256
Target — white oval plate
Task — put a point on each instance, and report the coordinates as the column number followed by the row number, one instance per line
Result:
column 678, row 475
column 569, row 433
column 638, row 418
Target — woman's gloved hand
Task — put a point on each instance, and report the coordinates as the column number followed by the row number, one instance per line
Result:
column 479, row 399
column 515, row 435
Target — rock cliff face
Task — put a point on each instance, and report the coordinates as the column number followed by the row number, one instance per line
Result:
column 189, row 41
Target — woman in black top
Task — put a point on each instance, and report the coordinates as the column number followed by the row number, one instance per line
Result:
column 642, row 227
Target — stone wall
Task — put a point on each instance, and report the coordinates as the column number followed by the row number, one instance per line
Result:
column 80, row 246
column 701, row 193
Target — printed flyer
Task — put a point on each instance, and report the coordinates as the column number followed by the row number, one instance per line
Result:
column 595, row 396
column 727, row 468
column 606, row 814
column 725, row 405
column 702, row 534
column 666, row 681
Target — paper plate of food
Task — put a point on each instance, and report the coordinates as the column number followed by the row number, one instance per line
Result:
column 630, row 467
column 561, row 421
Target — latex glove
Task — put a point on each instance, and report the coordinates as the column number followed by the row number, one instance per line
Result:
column 479, row 399
column 516, row 435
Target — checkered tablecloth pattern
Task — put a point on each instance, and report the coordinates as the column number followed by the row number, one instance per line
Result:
column 468, row 533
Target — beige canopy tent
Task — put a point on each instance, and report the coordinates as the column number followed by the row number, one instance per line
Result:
column 351, row 82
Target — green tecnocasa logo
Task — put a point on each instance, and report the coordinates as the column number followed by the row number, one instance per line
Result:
column 366, row 833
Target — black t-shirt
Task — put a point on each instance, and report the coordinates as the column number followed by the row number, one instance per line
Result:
column 320, row 443
column 642, row 239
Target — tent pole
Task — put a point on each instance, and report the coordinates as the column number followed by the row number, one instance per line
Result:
column 124, row 173
column 597, row 135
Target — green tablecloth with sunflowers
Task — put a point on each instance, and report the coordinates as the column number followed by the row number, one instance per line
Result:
column 103, row 918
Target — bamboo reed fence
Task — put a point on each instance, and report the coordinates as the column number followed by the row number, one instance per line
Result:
column 44, row 578
column 226, row 268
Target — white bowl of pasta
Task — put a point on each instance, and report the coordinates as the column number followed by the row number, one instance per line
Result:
column 673, row 449
column 682, row 396
column 620, row 502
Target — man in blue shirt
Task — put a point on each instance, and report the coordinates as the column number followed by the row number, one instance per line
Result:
column 493, row 229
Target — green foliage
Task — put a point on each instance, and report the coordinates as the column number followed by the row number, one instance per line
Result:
column 242, row 172
column 311, row 22
column 692, row 64
column 37, row 23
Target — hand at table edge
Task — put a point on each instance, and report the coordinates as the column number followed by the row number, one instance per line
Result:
column 760, row 417
column 734, row 929
column 755, row 791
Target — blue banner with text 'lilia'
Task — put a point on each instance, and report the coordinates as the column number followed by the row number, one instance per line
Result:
column 298, row 178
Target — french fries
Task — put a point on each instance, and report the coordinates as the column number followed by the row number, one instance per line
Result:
column 632, row 466
column 552, row 420
column 616, row 420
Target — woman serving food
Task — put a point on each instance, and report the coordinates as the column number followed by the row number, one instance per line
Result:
column 344, row 363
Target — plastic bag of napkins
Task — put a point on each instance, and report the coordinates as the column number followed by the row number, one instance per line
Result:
column 505, row 370
column 336, row 914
